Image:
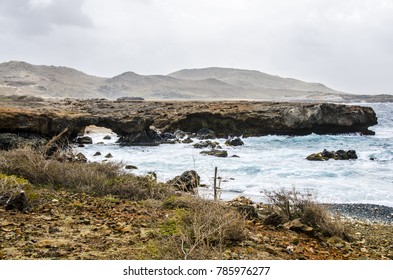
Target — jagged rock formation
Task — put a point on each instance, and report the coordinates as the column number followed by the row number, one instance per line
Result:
column 133, row 121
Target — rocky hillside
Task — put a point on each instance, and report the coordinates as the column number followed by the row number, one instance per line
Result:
column 254, row 81
column 21, row 78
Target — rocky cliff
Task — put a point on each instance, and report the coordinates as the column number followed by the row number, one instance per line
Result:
column 134, row 121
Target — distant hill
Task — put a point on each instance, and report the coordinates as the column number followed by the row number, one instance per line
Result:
column 21, row 78
column 46, row 81
column 250, row 79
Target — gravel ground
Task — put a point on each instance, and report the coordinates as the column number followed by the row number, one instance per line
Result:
column 368, row 212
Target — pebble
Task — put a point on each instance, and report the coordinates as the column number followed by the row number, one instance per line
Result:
column 370, row 212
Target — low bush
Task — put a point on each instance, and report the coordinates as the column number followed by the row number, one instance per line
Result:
column 93, row 178
column 204, row 229
column 289, row 205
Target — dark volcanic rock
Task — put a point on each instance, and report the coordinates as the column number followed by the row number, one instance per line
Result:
column 205, row 133
column 337, row 155
column 187, row 181
column 234, row 142
column 206, row 144
column 19, row 202
column 216, row 153
column 130, row 167
column 84, row 140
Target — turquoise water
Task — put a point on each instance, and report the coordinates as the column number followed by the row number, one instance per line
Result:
column 273, row 162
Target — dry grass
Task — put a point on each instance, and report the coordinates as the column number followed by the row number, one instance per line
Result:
column 203, row 229
column 93, row 178
column 290, row 205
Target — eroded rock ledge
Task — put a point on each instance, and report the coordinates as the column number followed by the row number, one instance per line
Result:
column 133, row 121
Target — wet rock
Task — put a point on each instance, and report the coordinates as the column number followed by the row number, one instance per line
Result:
column 337, row 155
column 205, row 133
column 216, row 153
column 206, row 144
column 107, row 137
column 84, row 140
column 97, row 154
column 234, row 142
column 109, row 155
column 180, row 134
column 187, row 140
column 187, row 181
column 147, row 137
column 130, row 167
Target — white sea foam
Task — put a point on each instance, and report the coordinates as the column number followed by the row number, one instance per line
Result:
column 273, row 162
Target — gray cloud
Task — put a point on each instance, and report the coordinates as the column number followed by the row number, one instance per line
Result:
column 347, row 45
column 40, row 17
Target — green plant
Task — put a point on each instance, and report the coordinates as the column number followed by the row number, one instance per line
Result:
column 11, row 185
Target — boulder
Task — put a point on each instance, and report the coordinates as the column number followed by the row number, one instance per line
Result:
column 80, row 157
column 352, row 154
column 97, row 154
column 273, row 219
column 297, row 225
column 216, row 153
column 206, row 144
column 130, row 167
column 245, row 207
column 107, row 137
column 180, row 134
column 187, row 181
column 337, row 155
column 84, row 140
column 234, row 142
column 18, row 202
column 205, row 133
column 187, row 140
column 147, row 137
column 109, row 155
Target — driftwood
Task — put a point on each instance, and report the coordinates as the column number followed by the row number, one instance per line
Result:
column 56, row 138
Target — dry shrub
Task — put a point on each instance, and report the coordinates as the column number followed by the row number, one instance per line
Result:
column 290, row 205
column 93, row 178
column 204, row 229
column 135, row 188
column 35, row 167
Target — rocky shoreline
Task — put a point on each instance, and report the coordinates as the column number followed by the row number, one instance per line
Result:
column 365, row 212
column 154, row 122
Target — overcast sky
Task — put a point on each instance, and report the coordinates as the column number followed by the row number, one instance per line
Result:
column 346, row 45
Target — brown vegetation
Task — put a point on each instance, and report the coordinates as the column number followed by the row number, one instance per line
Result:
column 290, row 205
column 92, row 178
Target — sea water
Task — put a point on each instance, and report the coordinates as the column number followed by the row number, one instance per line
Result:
column 275, row 162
